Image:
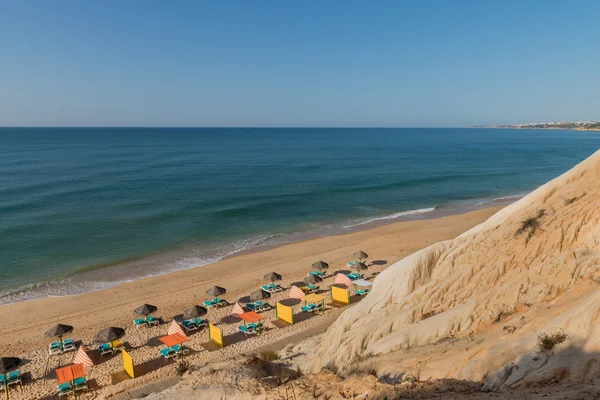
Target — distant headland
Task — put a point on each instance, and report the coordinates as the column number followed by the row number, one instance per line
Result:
column 576, row 125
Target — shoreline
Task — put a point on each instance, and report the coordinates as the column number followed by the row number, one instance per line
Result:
column 24, row 324
column 91, row 279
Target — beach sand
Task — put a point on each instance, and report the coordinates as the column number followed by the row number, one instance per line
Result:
column 23, row 324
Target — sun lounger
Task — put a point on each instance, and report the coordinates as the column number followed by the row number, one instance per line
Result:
column 275, row 286
column 69, row 345
column 80, row 384
column 247, row 330
column 269, row 289
column 13, row 378
column 180, row 348
column 105, row 348
column 320, row 274
column 207, row 303
column 168, row 353
column 200, row 323
column 116, row 345
column 64, row 389
column 362, row 292
column 354, row 276
column 152, row 320
column 306, row 309
column 308, row 289
column 218, row 302
column 252, row 307
column 189, row 325
column 54, row 348
column 351, row 263
column 140, row 322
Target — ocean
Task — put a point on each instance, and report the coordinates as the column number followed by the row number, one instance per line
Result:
column 83, row 209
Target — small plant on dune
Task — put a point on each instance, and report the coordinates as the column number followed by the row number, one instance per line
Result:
column 501, row 312
column 530, row 225
column 269, row 355
column 182, row 367
column 547, row 341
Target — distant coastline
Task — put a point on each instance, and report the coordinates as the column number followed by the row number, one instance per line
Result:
column 563, row 125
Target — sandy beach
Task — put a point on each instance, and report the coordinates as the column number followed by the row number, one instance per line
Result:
column 23, row 324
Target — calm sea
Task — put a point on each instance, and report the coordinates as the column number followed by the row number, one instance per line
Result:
column 84, row 209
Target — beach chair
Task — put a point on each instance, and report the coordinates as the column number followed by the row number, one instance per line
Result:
column 200, row 323
column 105, row 348
column 276, row 287
column 152, row 320
column 168, row 353
column 116, row 345
column 217, row 302
column 69, row 345
column 80, row 384
column 362, row 292
column 251, row 307
column 354, row 276
column 178, row 348
column 140, row 322
column 268, row 289
column 247, row 330
column 351, row 264
column 14, row 378
column 54, row 348
column 189, row 325
column 317, row 273
column 64, row 389
column 306, row 308
column 207, row 303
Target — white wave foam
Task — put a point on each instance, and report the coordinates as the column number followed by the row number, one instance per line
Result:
column 391, row 216
column 509, row 197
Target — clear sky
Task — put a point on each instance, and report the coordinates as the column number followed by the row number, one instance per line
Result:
column 298, row 63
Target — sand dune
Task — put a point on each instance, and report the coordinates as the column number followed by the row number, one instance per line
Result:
column 471, row 308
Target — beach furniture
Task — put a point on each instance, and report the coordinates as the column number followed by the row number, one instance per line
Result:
column 354, row 276
column 105, row 348
column 69, row 345
column 152, row 320
column 14, row 378
column 362, row 292
column 174, row 343
column 54, row 348
column 216, row 302
column 246, row 330
column 65, row 389
column 178, row 348
column 308, row 289
column 140, row 322
column 189, row 325
column 313, row 303
column 272, row 288
column 71, row 377
column 167, row 353
column 80, row 383
column 252, row 323
column 200, row 323
column 350, row 264
column 320, row 274
column 116, row 345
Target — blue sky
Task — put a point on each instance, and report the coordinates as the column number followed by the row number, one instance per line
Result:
column 303, row 63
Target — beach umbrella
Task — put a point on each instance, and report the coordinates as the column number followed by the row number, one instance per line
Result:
column 359, row 266
column 259, row 295
column 59, row 331
column 313, row 279
column 321, row 265
column 272, row 276
column 109, row 334
column 216, row 291
column 360, row 255
column 194, row 312
column 7, row 364
column 145, row 310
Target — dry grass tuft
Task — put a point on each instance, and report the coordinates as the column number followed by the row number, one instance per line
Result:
column 269, row 355
column 530, row 225
column 547, row 341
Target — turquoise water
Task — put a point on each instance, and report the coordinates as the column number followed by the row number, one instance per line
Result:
column 83, row 209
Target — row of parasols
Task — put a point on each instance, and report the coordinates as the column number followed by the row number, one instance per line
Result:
column 112, row 334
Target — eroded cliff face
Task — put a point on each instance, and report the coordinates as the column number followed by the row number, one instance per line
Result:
column 532, row 264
